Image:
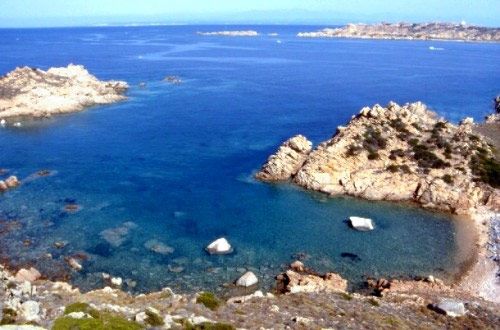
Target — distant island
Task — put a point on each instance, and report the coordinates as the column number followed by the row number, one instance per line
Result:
column 32, row 92
column 409, row 31
column 248, row 33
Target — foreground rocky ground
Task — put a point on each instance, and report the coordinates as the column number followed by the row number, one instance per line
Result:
column 302, row 301
column 31, row 92
column 423, row 31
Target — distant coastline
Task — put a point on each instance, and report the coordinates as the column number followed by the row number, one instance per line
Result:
column 410, row 31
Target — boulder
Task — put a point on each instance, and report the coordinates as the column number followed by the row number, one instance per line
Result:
column 29, row 275
column 292, row 282
column 12, row 181
column 361, row 224
column 3, row 186
column 247, row 279
column 285, row 163
column 219, row 246
column 451, row 307
column 30, row 310
column 297, row 266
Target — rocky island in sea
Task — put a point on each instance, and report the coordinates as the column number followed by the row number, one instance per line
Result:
column 245, row 33
column 35, row 93
column 415, row 31
column 396, row 153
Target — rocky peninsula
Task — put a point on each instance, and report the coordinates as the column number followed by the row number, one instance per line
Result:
column 248, row 33
column 396, row 153
column 35, row 93
column 416, row 31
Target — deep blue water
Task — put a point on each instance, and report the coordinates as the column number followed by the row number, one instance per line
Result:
column 192, row 148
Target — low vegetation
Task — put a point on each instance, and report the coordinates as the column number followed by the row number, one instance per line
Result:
column 209, row 300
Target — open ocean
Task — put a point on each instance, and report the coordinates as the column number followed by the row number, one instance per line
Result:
column 177, row 160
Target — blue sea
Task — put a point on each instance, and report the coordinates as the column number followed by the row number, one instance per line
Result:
column 175, row 163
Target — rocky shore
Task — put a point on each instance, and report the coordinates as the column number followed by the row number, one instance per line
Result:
column 33, row 93
column 396, row 153
column 422, row 31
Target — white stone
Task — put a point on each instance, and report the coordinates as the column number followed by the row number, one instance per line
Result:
column 219, row 246
column 247, row 279
column 361, row 224
column 116, row 281
column 30, row 310
column 141, row 317
column 451, row 307
column 3, row 122
column 78, row 315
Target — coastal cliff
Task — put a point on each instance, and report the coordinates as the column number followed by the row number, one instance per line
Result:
column 396, row 153
column 422, row 31
column 31, row 92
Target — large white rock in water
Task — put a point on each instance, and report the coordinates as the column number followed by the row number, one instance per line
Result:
column 361, row 224
column 219, row 246
column 247, row 279
column 451, row 307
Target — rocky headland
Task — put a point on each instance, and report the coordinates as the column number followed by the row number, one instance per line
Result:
column 396, row 153
column 247, row 33
column 415, row 31
column 33, row 93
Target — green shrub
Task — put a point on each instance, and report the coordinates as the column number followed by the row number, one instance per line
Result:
column 8, row 316
column 373, row 140
column 153, row 318
column 417, row 126
column 105, row 321
column 392, row 168
column 485, row 169
column 209, row 300
column 372, row 155
column 426, row 158
column 373, row 302
column 447, row 178
column 345, row 296
column 353, row 150
column 405, row 169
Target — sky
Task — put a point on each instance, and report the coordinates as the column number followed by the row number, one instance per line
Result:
column 53, row 13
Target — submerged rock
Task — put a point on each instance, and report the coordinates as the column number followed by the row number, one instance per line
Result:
column 361, row 224
column 247, row 279
column 36, row 93
column 116, row 236
column 219, row 246
column 158, row 247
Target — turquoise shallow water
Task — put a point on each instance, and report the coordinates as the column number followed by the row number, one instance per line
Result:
column 177, row 161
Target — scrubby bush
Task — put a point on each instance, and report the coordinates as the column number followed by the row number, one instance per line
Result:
column 426, row 158
column 373, row 140
column 373, row 155
column 393, row 168
column 209, row 300
column 353, row 150
column 447, row 178
column 485, row 169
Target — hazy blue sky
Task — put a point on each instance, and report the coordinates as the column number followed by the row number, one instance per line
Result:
column 28, row 13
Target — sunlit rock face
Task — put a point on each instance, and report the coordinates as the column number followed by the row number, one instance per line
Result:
column 398, row 153
column 31, row 92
